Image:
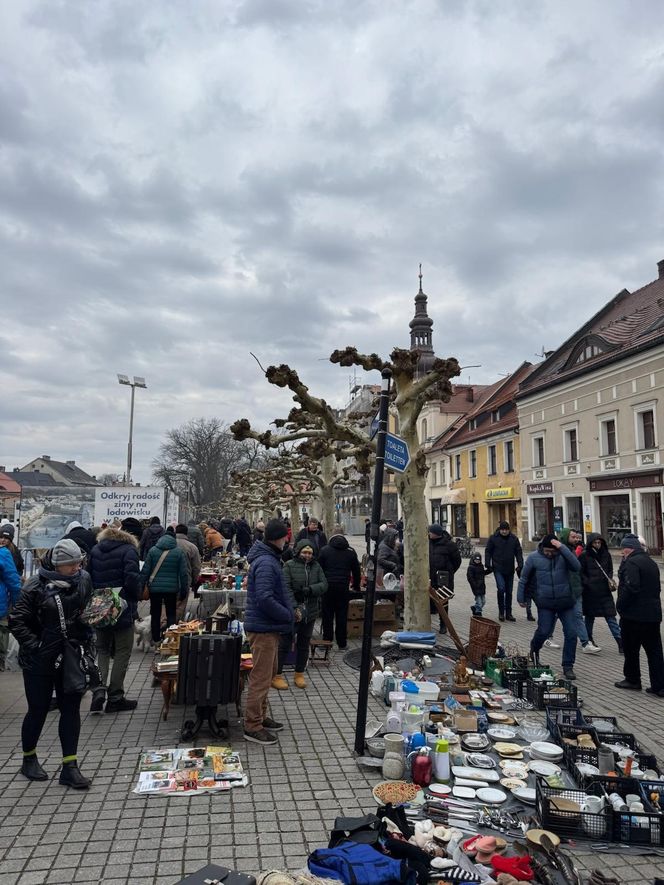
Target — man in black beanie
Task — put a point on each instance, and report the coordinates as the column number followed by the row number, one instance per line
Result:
column 268, row 615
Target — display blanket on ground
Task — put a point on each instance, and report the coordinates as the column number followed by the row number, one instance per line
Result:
column 189, row 770
column 119, row 502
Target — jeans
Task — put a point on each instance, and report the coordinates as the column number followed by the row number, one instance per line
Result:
column 546, row 619
column 303, row 633
column 264, row 650
column 504, row 584
column 637, row 635
column 582, row 631
column 479, row 602
column 115, row 645
column 170, row 600
column 613, row 627
column 38, row 692
column 335, row 608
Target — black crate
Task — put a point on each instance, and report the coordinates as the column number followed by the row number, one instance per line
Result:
column 515, row 681
column 629, row 827
column 572, row 732
column 556, row 716
column 560, row 693
column 573, row 824
column 591, row 719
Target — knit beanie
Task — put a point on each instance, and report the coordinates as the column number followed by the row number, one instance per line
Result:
column 7, row 531
column 65, row 552
column 436, row 529
column 546, row 540
column 504, row 525
column 275, row 529
column 631, row 542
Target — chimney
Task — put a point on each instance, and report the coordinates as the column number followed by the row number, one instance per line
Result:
column 70, row 463
column 660, row 268
column 46, row 457
column 470, row 396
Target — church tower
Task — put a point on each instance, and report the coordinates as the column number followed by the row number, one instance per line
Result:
column 421, row 327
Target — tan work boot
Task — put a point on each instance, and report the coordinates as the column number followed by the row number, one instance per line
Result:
column 279, row 681
column 300, row 681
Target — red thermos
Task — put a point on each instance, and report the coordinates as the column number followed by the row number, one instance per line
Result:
column 422, row 768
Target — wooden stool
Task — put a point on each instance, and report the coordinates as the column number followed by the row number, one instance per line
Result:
column 319, row 645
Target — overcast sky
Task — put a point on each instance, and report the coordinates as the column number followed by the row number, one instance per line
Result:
column 181, row 183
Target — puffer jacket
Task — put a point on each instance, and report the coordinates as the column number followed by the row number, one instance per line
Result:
column 227, row 528
column 149, row 538
column 574, row 577
column 305, row 582
column 213, row 539
column 387, row 557
column 173, row 574
column 639, row 589
column 597, row 597
column 195, row 535
column 444, row 556
column 35, row 621
column 114, row 563
column 553, row 590
column 316, row 539
column 269, row 608
column 85, row 538
column 340, row 563
column 242, row 533
column 501, row 552
column 10, row 582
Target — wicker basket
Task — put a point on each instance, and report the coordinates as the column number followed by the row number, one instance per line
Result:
column 482, row 640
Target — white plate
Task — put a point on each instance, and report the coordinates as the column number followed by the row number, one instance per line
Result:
column 439, row 789
column 514, row 769
column 501, row 733
column 466, row 782
column 545, row 750
column 464, row 792
column 544, row 768
column 480, row 760
column 492, row 796
column 525, row 794
column 475, row 774
column 586, row 768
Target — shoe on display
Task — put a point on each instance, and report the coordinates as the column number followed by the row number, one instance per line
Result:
column 271, row 725
column 123, row 705
column 569, row 674
column 32, row 769
column 263, row 736
column 279, row 682
column 71, row 776
column 551, row 644
column 590, row 649
column 625, row 683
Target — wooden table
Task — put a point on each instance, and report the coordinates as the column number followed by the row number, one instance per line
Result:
column 167, row 683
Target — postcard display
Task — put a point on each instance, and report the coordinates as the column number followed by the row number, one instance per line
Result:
column 190, row 770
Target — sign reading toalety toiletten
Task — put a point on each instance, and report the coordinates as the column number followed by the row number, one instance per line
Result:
column 119, row 502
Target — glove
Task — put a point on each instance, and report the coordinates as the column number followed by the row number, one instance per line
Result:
column 519, row 569
column 488, row 570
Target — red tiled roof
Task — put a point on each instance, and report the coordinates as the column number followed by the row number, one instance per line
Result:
column 7, row 484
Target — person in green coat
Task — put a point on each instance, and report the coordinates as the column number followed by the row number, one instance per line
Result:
column 306, row 583
column 170, row 583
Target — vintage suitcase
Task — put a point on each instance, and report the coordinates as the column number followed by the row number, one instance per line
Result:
column 214, row 875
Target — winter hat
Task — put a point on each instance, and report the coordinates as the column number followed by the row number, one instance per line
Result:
column 7, row 531
column 66, row 552
column 631, row 542
column 436, row 529
column 476, row 557
column 503, row 525
column 73, row 525
column 546, row 540
column 275, row 530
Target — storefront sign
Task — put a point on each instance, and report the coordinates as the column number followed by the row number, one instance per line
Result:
column 587, row 518
column 498, row 494
column 626, row 482
column 539, row 488
column 557, row 519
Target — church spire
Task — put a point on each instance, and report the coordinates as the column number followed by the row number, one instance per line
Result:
column 421, row 331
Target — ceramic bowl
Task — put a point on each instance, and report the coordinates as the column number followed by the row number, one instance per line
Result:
column 376, row 747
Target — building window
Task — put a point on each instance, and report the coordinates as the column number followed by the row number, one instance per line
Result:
column 538, row 451
column 423, row 438
column 647, row 429
column 492, row 462
column 442, row 473
column 571, row 445
column 608, row 437
column 495, row 416
column 434, row 474
column 509, row 456
column 457, row 467
column 472, row 469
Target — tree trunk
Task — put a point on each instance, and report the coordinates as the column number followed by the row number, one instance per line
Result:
column 326, row 493
column 410, row 486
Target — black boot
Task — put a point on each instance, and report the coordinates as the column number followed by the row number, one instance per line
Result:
column 529, row 615
column 534, row 658
column 32, row 769
column 70, row 776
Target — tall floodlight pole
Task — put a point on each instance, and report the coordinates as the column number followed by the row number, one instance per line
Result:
column 137, row 382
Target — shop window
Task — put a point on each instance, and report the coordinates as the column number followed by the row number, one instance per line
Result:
column 574, row 516
column 492, row 460
column 539, row 459
column 509, row 456
column 457, row 467
column 542, row 517
column 609, row 437
column 472, row 469
column 614, row 518
column 571, row 445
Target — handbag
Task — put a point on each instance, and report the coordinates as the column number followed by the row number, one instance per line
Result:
column 146, row 589
column 75, row 663
column 104, row 608
column 613, row 586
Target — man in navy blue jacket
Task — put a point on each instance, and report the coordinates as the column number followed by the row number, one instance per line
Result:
column 268, row 614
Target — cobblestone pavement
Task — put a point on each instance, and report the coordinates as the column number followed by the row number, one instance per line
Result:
column 108, row 834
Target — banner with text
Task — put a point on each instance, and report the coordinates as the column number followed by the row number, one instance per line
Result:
column 119, row 502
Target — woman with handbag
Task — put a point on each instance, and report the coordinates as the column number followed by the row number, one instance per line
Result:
column 55, row 652
column 598, row 586
column 165, row 579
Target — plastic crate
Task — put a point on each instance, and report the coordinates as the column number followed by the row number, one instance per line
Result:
column 534, row 672
column 560, row 693
column 591, row 719
column 590, row 756
column 515, row 681
column 556, row 716
column 573, row 824
column 572, row 732
column 493, row 668
column 629, row 827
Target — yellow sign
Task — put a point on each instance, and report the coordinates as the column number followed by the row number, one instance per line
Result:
column 498, row 494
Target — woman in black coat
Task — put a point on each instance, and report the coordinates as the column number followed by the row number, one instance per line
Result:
column 596, row 569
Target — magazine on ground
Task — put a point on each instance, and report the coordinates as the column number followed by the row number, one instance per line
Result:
column 190, row 770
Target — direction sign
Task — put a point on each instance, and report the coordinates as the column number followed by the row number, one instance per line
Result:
column 375, row 424
column 397, row 456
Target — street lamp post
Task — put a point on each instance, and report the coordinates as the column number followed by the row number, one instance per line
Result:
column 137, row 382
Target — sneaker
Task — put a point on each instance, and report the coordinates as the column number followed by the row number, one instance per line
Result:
column 549, row 643
column 263, row 736
column 123, row 705
column 510, row 618
column 569, row 674
column 272, row 725
column 590, row 649
column 279, row 682
column 625, row 683
column 98, row 701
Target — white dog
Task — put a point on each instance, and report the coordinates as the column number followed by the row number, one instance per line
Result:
column 143, row 632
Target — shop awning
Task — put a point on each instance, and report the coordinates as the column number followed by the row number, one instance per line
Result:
column 454, row 496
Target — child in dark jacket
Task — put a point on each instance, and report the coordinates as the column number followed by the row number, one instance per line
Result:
column 475, row 574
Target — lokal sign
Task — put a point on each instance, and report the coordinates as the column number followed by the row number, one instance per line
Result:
column 119, row 502
column 539, row 488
